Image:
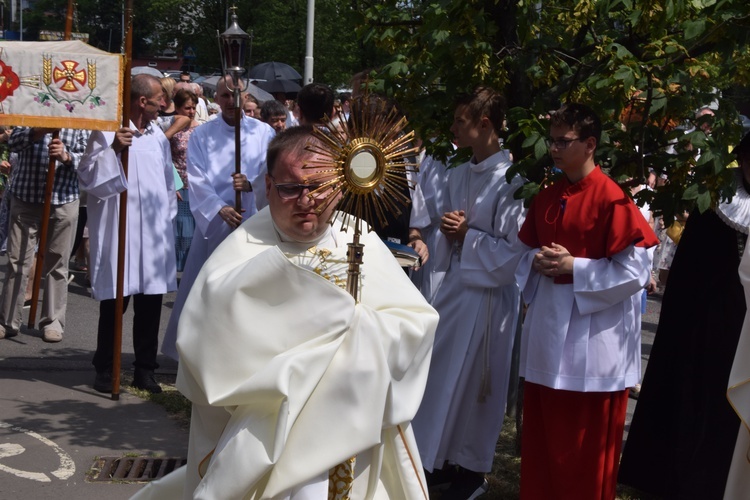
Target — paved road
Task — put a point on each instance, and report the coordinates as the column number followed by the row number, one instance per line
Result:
column 53, row 425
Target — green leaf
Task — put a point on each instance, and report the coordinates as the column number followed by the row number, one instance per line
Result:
column 396, row 68
column 440, row 36
column 692, row 192
column 530, row 140
column 540, row 148
column 635, row 16
column 706, row 157
column 657, row 103
column 694, row 28
column 704, row 201
column 527, row 191
column 621, row 51
column 625, row 74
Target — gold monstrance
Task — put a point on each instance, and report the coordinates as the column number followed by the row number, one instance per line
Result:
column 366, row 160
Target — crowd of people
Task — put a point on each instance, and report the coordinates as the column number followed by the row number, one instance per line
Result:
column 303, row 388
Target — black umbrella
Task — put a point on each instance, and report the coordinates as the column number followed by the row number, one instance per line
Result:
column 273, row 71
column 276, row 86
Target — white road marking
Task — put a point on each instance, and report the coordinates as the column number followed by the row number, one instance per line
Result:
column 67, row 465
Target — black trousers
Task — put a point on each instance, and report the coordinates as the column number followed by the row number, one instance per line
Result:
column 147, row 314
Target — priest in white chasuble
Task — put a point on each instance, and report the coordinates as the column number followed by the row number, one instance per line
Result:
column 288, row 375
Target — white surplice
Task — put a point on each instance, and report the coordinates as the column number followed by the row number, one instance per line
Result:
column 150, row 266
column 585, row 336
column 210, row 165
column 478, row 302
column 289, row 377
column 433, row 183
column 738, row 393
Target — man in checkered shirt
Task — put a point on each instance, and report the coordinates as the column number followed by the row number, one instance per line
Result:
column 35, row 148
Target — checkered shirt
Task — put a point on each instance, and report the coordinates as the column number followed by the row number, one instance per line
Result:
column 30, row 175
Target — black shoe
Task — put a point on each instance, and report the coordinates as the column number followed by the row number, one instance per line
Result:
column 441, row 479
column 468, row 485
column 144, row 379
column 103, row 382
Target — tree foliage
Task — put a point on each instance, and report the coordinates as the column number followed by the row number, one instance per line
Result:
column 646, row 66
column 278, row 29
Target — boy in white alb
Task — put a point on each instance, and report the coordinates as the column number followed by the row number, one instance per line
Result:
column 461, row 415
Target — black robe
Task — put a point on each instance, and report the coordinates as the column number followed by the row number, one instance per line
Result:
column 683, row 432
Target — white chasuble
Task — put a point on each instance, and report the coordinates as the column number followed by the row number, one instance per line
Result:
column 289, row 377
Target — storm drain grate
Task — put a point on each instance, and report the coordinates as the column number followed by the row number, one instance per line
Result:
column 135, row 468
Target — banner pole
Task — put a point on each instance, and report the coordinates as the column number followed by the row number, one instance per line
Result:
column 122, row 226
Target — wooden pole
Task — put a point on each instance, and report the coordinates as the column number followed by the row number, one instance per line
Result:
column 47, row 209
column 69, row 20
column 122, row 225
column 42, row 241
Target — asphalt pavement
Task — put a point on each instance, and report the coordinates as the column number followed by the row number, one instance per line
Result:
column 54, row 427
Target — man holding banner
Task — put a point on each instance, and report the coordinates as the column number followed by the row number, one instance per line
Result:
column 150, row 264
column 35, row 148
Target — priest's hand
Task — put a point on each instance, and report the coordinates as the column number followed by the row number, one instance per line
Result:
column 123, row 139
column 240, row 183
column 229, row 215
column 553, row 260
column 453, row 225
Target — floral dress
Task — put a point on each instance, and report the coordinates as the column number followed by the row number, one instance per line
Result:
column 184, row 225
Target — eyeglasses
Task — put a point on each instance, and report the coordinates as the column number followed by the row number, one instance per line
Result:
column 292, row 191
column 561, row 144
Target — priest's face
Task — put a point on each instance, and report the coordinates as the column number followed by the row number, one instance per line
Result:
column 288, row 190
column 225, row 98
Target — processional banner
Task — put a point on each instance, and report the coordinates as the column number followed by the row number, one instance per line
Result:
column 60, row 85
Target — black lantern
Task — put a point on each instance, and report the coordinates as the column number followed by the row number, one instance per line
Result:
column 233, row 48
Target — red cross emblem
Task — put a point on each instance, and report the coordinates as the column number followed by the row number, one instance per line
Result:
column 69, row 75
column 9, row 81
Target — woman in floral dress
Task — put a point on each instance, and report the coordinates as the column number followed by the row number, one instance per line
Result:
column 178, row 134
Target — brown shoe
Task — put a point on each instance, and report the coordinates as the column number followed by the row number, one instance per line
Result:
column 6, row 333
column 52, row 336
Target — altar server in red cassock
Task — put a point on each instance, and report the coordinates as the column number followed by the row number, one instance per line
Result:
column 584, row 266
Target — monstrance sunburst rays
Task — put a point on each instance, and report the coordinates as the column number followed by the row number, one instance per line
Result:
column 366, row 160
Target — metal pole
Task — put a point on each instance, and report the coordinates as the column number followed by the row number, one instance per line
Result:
column 237, row 141
column 309, row 46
